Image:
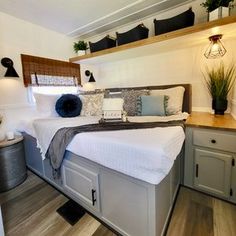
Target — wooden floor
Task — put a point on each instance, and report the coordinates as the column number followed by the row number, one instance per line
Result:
column 30, row 209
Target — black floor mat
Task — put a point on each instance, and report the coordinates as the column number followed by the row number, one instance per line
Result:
column 71, row 212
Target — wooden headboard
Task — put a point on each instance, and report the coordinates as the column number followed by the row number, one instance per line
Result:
column 187, row 103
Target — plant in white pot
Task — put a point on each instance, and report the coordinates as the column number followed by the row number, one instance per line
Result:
column 217, row 8
column 220, row 81
column 80, row 47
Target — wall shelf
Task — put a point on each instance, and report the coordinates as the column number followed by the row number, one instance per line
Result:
column 192, row 36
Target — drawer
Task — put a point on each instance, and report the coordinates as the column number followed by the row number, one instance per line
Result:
column 214, row 139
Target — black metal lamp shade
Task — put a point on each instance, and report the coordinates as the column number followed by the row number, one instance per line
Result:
column 91, row 78
column 8, row 63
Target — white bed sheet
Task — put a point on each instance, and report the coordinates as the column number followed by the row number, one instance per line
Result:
column 146, row 154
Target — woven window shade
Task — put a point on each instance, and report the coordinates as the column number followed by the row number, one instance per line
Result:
column 38, row 66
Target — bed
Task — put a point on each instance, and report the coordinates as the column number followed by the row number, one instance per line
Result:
column 129, row 197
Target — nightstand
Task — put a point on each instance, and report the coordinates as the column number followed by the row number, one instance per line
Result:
column 210, row 154
column 12, row 163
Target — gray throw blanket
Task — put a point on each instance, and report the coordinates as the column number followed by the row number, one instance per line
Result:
column 63, row 136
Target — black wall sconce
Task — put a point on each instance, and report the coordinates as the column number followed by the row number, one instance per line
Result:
column 91, row 78
column 8, row 63
column 216, row 49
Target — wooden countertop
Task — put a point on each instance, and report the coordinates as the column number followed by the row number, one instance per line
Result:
column 211, row 121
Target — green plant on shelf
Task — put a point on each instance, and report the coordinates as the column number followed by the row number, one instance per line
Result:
column 211, row 5
column 80, row 45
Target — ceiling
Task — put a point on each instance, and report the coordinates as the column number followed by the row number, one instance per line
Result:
column 84, row 18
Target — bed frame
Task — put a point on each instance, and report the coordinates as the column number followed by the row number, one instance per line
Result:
column 128, row 205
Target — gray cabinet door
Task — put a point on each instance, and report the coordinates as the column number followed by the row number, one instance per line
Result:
column 82, row 183
column 213, row 172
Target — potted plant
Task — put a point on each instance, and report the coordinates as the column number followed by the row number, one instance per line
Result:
column 80, row 47
column 219, row 83
column 217, row 8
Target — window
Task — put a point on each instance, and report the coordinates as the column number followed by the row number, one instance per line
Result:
column 48, row 76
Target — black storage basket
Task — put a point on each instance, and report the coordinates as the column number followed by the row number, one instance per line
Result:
column 106, row 42
column 137, row 33
column 180, row 21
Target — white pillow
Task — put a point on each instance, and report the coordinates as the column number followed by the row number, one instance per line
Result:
column 110, row 104
column 175, row 102
column 91, row 104
column 45, row 103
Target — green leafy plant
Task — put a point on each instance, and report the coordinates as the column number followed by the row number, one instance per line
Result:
column 211, row 5
column 80, row 45
column 220, row 81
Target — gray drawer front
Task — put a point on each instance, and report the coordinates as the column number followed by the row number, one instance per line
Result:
column 216, row 140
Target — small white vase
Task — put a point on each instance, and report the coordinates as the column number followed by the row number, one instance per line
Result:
column 218, row 13
column 81, row 52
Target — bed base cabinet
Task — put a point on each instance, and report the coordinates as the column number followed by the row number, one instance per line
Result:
column 32, row 155
column 132, row 207
column 125, row 204
column 35, row 162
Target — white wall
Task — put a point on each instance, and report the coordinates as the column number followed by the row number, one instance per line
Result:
column 183, row 65
column 21, row 37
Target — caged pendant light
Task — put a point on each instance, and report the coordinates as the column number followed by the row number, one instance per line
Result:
column 216, row 49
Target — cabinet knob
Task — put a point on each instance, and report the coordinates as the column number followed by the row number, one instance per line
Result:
column 213, row 141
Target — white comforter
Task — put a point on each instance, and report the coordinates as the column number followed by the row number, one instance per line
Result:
column 146, row 154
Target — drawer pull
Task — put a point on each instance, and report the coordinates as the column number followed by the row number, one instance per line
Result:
column 213, row 141
column 93, row 197
column 196, row 171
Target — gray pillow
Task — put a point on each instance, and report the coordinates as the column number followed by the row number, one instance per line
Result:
column 130, row 100
column 152, row 105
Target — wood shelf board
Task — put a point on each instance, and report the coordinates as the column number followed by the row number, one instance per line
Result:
column 200, row 31
column 211, row 121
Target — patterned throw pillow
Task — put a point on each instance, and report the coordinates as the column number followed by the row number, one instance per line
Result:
column 130, row 98
column 152, row 105
column 91, row 104
column 90, row 92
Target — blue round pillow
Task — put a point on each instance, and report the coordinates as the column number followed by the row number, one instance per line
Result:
column 68, row 105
